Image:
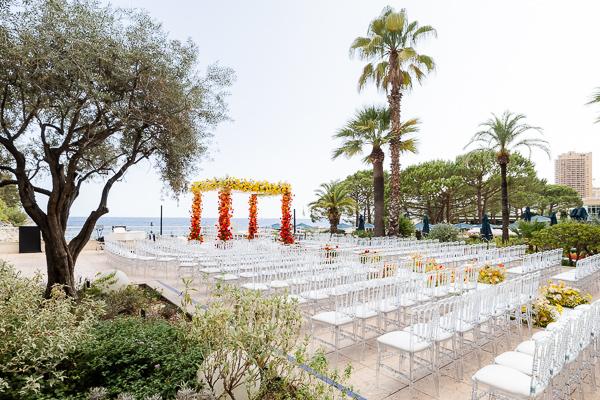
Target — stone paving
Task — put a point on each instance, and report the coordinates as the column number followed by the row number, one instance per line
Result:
column 363, row 376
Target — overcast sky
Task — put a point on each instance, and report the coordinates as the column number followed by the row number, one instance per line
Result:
column 296, row 85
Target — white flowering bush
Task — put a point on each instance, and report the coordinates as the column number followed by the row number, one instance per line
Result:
column 36, row 334
column 246, row 335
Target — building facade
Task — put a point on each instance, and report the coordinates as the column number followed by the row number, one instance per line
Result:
column 575, row 170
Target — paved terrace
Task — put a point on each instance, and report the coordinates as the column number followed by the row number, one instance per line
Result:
column 363, row 377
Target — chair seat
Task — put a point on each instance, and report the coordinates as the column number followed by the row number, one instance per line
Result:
column 187, row 264
column 420, row 297
column 364, row 312
column 315, row 295
column 439, row 334
column 507, row 380
column 401, row 340
column 246, row 274
column 279, row 284
column 226, row 277
column 255, row 286
column 166, row 259
column 333, row 318
column 527, row 347
column 146, row 258
column 583, row 307
column 210, row 270
column 540, row 335
column 522, row 362
column 404, row 302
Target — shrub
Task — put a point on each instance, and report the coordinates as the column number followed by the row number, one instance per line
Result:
column 444, row 233
column 263, row 330
column 134, row 355
column 363, row 234
column 405, row 227
column 36, row 334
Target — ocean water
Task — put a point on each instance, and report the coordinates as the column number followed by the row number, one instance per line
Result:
column 144, row 223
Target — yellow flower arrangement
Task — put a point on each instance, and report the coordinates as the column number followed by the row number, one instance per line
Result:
column 262, row 188
column 544, row 313
column 565, row 296
column 492, row 274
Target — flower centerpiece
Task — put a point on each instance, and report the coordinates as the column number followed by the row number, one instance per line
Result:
column 329, row 252
column 564, row 296
column 544, row 313
column 492, row 274
column 370, row 256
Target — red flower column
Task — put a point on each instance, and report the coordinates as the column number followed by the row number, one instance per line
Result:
column 252, row 225
column 195, row 228
column 285, row 235
column 225, row 214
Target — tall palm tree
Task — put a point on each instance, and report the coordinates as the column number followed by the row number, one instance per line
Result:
column 394, row 65
column 333, row 198
column 504, row 135
column 595, row 99
column 371, row 127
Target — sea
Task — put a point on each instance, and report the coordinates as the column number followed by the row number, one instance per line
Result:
column 171, row 226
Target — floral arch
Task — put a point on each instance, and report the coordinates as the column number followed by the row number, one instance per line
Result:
column 226, row 186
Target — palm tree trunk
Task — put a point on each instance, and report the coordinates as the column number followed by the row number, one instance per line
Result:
column 377, row 156
column 505, row 214
column 394, row 100
column 378, row 192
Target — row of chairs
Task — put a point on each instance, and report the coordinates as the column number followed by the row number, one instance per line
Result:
column 553, row 363
column 584, row 276
column 547, row 262
column 466, row 322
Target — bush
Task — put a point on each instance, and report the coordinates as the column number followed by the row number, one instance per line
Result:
column 444, row 233
column 36, row 334
column 263, row 330
column 405, row 227
column 363, row 234
column 134, row 355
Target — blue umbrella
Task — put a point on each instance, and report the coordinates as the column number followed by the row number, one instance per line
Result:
column 486, row 229
column 573, row 213
column 582, row 214
column 361, row 223
column 527, row 217
column 540, row 218
column 368, row 225
column 344, row 226
column 419, row 225
column 425, row 224
column 463, row 225
column 276, row 226
column 305, row 226
column 553, row 220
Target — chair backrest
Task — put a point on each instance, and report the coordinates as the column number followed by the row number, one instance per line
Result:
column 423, row 322
column 542, row 364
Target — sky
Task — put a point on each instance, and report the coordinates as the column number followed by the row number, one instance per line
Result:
column 296, row 86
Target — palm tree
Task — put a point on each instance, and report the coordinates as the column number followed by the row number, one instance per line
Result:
column 394, row 64
column 595, row 99
column 503, row 135
column 333, row 198
column 371, row 127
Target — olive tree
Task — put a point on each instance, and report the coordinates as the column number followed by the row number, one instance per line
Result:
column 86, row 92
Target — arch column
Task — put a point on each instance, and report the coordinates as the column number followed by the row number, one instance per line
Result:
column 252, row 224
column 285, row 234
column 225, row 211
column 195, row 229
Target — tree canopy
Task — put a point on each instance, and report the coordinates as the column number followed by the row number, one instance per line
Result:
column 86, row 92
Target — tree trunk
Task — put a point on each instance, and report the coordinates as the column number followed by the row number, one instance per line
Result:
column 377, row 157
column 334, row 220
column 505, row 214
column 394, row 99
column 60, row 263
